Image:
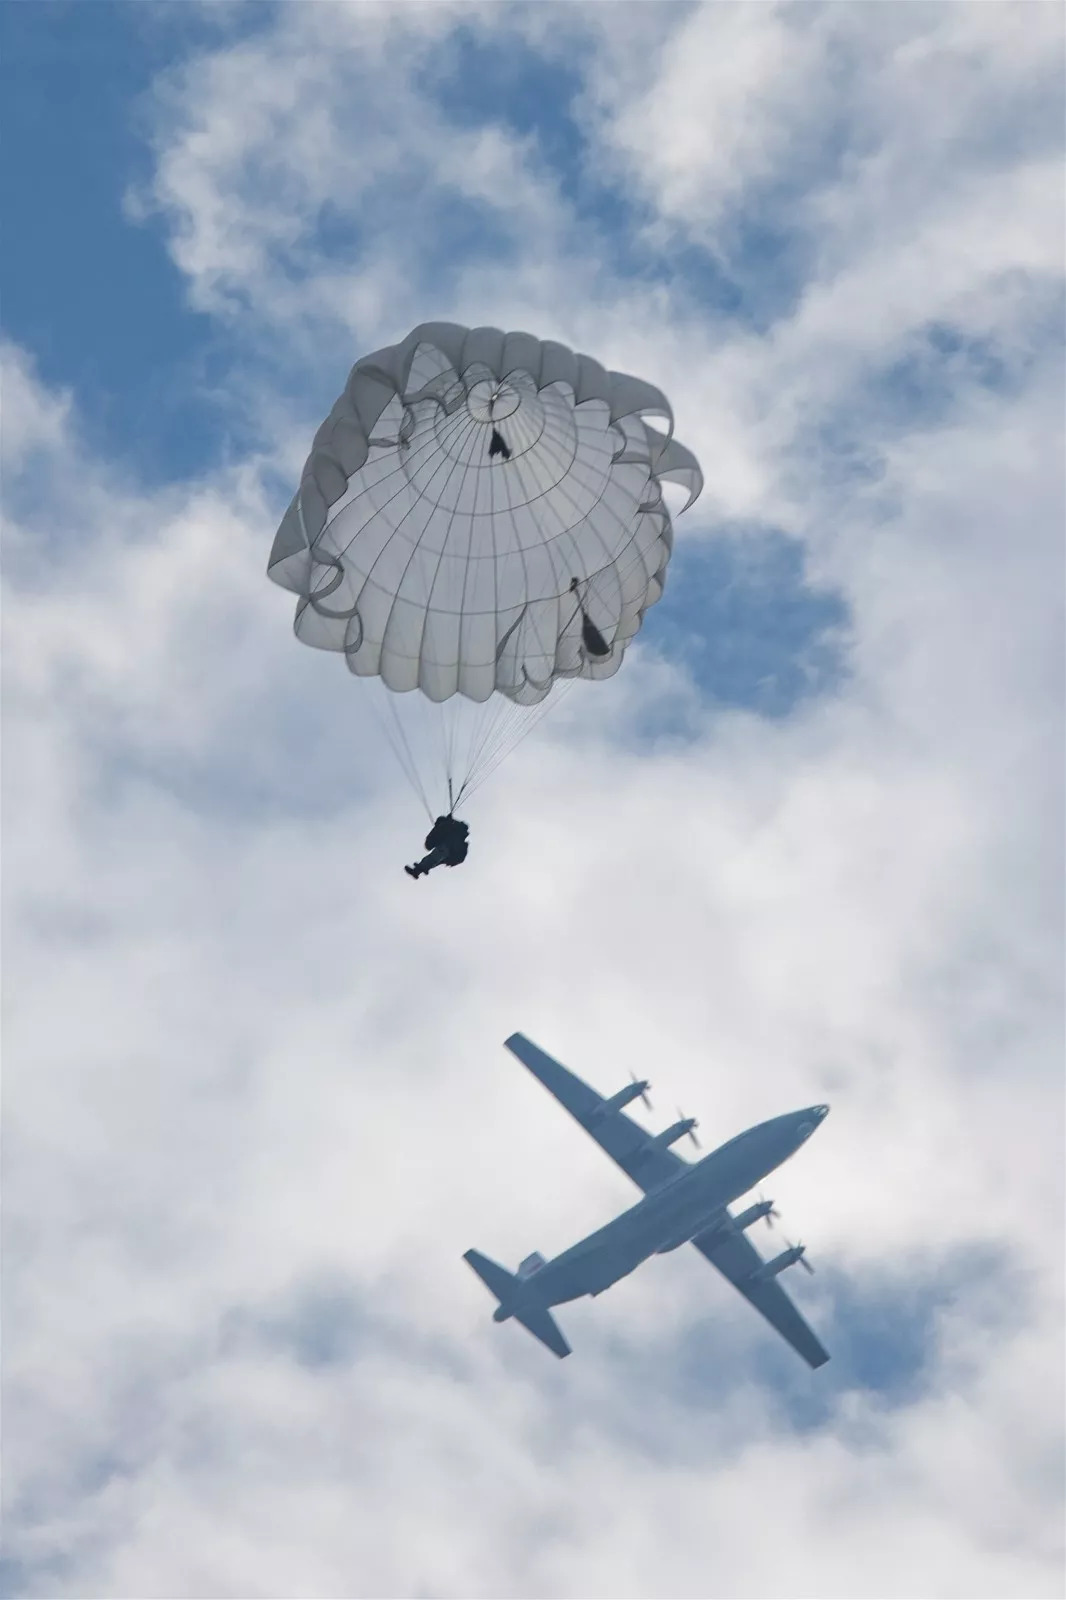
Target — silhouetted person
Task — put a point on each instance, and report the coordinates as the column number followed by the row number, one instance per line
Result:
column 497, row 447
column 447, row 844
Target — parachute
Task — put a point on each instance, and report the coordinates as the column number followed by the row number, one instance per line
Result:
column 480, row 521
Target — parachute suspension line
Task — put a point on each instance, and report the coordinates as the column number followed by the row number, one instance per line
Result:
column 406, row 756
column 488, row 767
column 396, row 734
column 445, row 744
column 474, row 734
column 452, row 727
column 493, row 730
column 525, row 719
column 481, row 724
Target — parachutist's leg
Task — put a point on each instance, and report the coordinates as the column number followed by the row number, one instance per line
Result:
column 426, row 864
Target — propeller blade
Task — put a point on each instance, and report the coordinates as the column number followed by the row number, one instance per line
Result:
column 692, row 1131
column 644, row 1095
column 801, row 1258
column 771, row 1213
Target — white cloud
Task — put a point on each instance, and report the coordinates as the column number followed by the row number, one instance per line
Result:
column 250, row 1068
column 719, row 110
column 324, row 115
column 33, row 417
column 838, row 119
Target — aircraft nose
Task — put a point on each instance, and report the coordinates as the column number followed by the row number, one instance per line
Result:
column 810, row 1119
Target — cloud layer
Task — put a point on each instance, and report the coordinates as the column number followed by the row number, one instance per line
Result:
column 255, row 1101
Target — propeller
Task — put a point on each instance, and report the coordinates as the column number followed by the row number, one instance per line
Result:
column 801, row 1258
column 644, row 1092
column 692, row 1131
column 771, row 1214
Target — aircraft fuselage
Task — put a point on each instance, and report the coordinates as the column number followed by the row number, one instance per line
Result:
column 668, row 1216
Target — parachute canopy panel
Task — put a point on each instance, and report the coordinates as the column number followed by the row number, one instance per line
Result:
column 476, row 509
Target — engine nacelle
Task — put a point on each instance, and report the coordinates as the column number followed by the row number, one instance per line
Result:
column 669, row 1136
column 781, row 1263
column 624, row 1097
column 754, row 1213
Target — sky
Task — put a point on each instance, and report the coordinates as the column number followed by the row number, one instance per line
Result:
column 806, row 846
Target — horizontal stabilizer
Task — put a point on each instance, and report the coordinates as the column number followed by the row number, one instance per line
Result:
column 543, row 1326
column 497, row 1279
column 506, row 1286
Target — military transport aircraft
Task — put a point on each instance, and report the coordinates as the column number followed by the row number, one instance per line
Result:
column 683, row 1202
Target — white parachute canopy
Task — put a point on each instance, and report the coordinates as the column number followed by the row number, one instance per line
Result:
column 481, row 517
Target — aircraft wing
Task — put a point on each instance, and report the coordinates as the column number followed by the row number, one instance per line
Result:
column 737, row 1258
column 625, row 1141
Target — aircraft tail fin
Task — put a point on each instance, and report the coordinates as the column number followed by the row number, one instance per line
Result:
column 505, row 1286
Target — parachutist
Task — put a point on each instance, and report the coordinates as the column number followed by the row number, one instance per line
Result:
column 447, row 844
column 444, row 592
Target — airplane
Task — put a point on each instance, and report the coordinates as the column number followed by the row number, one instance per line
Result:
column 684, row 1202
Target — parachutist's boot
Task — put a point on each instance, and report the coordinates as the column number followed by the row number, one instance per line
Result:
column 412, row 872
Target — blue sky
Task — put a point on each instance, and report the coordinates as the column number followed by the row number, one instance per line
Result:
column 110, row 318
column 806, row 845
column 96, row 298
